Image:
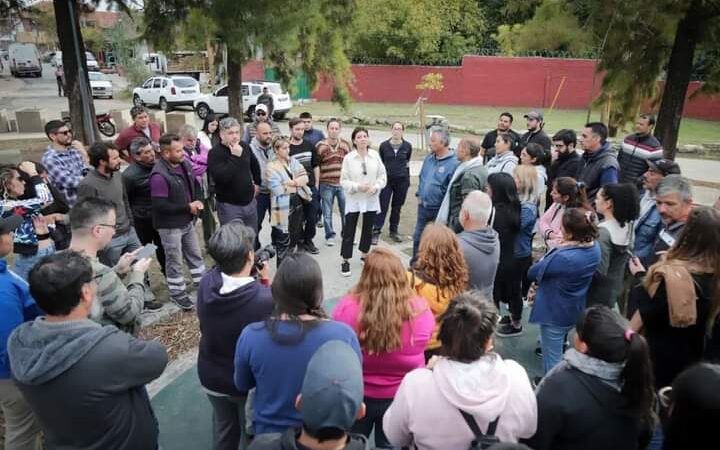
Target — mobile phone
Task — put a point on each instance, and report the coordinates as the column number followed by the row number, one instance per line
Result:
column 146, row 252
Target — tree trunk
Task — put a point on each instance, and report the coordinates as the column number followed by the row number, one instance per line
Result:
column 210, row 47
column 677, row 79
column 234, row 75
column 82, row 110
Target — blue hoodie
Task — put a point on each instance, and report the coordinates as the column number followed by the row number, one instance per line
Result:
column 16, row 307
column 435, row 177
column 222, row 318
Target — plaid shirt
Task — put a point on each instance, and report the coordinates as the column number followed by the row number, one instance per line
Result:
column 66, row 169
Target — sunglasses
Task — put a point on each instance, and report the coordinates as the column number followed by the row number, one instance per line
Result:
column 66, row 132
column 260, row 113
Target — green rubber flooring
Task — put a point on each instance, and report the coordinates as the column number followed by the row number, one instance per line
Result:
column 185, row 414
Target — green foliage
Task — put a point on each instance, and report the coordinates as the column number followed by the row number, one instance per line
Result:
column 419, row 30
column 93, row 38
column 553, row 27
column 122, row 38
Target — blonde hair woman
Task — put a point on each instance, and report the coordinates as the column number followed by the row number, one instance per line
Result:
column 393, row 325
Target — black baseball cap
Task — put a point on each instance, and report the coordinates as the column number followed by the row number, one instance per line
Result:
column 10, row 223
column 664, row 167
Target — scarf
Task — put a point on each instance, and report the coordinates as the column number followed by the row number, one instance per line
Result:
column 608, row 372
column 444, row 211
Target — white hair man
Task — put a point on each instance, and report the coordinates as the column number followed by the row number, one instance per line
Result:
column 479, row 241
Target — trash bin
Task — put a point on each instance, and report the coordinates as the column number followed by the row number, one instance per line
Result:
column 434, row 122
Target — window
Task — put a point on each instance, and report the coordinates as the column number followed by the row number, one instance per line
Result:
column 148, row 84
column 165, row 83
column 256, row 90
column 156, row 83
column 222, row 92
column 184, row 82
column 245, row 90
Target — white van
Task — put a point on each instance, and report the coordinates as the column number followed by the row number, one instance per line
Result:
column 24, row 59
column 90, row 60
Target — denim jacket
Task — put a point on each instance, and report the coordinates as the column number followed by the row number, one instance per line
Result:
column 647, row 228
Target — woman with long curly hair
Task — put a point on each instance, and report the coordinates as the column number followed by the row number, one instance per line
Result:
column 439, row 274
column 393, row 325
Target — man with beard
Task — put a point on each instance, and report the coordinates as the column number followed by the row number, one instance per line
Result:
column 503, row 126
column 599, row 164
column 638, row 150
column 141, row 127
column 565, row 160
column 535, row 133
column 65, row 159
column 103, row 181
column 261, row 146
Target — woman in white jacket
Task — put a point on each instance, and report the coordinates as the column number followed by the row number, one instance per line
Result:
column 362, row 177
column 470, row 377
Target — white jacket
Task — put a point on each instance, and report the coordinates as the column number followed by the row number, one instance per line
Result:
column 357, row 170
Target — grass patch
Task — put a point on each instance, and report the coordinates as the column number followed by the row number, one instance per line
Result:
column 483, row 118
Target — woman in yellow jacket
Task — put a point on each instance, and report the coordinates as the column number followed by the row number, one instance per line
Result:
column 439, row 274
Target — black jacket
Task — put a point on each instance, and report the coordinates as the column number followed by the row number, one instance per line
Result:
column 288, row 441
column 222, row 318
column 174, row 211
column 507, row 223
column 579, row 411
column 137, row 185
column 538, row 137
column 396, row 166
column 235, row 177
column 566, row 165
column 488, row 144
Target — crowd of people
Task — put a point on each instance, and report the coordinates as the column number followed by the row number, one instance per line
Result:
column 617, row 265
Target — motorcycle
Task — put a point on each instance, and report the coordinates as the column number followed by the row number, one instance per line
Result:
column 104, row 123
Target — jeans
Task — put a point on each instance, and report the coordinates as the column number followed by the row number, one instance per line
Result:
column 227, row 212
column 552, row 338
column 374, row 413
column 397, row 189
column 311, row 211
column 120, row 244
column 424, row 216
column 23, row 263
column 22, row 430
column 179, row 244
column 229, row 423
column 351, row 220
column 327, row 195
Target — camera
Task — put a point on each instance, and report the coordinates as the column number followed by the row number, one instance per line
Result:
column 264, row 254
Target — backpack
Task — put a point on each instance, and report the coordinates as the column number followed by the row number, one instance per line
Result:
column 481, row 441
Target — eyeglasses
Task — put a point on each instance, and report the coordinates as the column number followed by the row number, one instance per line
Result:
column 113, row 226
column 260, row 113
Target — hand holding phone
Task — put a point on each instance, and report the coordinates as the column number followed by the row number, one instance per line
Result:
column 147, row 251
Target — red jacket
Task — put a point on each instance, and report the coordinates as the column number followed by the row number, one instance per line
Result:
column 126, row 136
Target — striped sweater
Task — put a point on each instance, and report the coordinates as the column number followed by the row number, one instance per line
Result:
column 276, row 175
column 115, row 303
column 331, row 159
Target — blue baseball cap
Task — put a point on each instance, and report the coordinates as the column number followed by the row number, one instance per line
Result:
column 332, row 391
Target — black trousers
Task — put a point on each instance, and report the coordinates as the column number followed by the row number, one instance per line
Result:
column 285, row 243
column 518, row 287
column 376, row 408
column 351, row 220
column 396, row 188
column 311, row 210
column 147, row 234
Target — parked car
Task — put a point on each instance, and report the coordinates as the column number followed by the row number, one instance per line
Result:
column 167, row 92
column 90, row 61
column 217, row 102
column 100, row 84
column 24, row 59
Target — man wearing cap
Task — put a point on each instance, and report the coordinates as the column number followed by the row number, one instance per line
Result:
column 638, row 150
column 535, row 133
column 261, row 115
column 599, row 164
column 22, row 430
column 649, row 222
column 330, row 401
column 266, row 99
column 65, row 159
column 503, row 126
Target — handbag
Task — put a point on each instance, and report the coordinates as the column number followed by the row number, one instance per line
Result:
column 481, row 441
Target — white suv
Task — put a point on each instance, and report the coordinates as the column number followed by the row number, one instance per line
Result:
column 217, row 102
column 167, row 92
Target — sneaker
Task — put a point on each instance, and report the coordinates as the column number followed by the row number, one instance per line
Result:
column 330, row 242
column 183, row 302
column 345, row 269
column 320, row 224
column 310, row 248
column 538, row 352
column 396, row 237
column 508, row 330
column 152, row 305
column 504, row 320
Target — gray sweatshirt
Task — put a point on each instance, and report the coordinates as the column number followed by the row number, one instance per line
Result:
column 481, row 249
column 86, row 383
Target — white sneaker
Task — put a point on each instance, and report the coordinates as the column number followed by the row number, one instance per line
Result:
column 330, row 242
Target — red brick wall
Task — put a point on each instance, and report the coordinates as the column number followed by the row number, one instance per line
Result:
column 497, row 81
